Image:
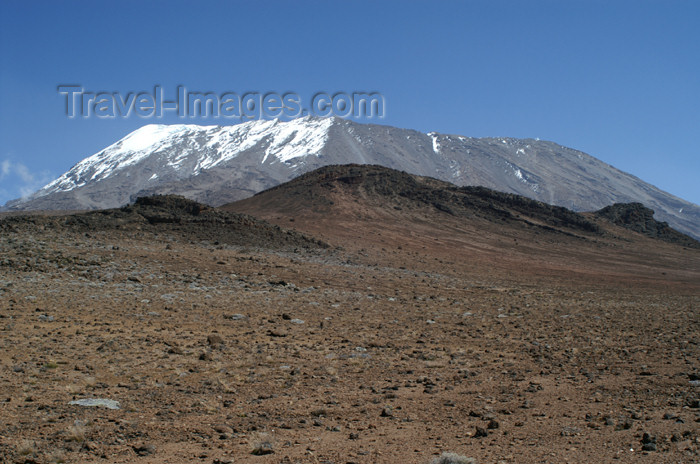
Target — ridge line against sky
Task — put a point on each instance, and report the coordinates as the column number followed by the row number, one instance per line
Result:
column 619, row 80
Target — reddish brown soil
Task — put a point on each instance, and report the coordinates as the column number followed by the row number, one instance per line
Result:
column 422, row 330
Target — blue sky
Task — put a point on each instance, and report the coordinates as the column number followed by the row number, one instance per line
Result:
column 619, row 80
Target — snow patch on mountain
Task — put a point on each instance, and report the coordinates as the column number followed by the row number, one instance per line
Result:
column 148, row 136
column 436, row 144
column 298, row 138
column 200, row 147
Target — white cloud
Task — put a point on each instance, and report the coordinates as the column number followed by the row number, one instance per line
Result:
column 5, row 168
column 23, row 181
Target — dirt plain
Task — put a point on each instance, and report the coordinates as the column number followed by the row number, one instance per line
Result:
column 385, row 329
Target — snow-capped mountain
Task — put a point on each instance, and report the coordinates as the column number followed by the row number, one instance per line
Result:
column 219, row 164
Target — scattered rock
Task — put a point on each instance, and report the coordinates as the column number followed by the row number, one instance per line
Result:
column 649, row 447
column 263, row 448
column 174, row 349
column 97, row 402
column 215, row 340
column 570, row 431
column 144, row 450
column 452, row 458
column 624, row 425
column 222, row 428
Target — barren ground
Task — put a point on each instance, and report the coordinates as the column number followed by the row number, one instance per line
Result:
column 389, row 350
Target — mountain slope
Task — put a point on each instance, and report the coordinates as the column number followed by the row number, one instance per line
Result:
column 371, row 209
column 220, row 164
column 383, row 189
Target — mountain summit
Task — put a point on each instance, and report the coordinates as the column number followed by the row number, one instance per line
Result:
column 220, row 164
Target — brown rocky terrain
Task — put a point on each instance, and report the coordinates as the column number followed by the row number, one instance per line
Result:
column 365, row 316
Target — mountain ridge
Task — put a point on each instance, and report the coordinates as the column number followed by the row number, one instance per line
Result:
column 220, row 164
column 375, row 190
column 173, row 215
column 372, row 209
